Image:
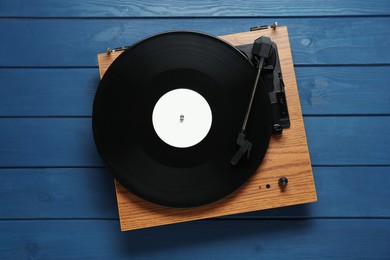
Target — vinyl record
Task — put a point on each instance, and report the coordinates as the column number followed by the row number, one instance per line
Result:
column 163, row 75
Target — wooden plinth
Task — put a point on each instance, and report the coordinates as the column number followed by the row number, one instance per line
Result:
column 287, row 156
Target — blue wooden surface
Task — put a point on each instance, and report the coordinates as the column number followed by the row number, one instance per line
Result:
column 206, row 239
column 75, row 42
column 58, row 200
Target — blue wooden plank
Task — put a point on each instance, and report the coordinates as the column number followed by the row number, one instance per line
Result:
column 153, row 8
column 76, row 42
column 47, row 92
column 256, row 239
column 89, row 193
column 57, row 193
column 35, row 142
column 348, row 140
column 70, row 92
column 344, row 90
column 69, row 142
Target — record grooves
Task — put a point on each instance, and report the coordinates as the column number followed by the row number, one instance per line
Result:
column 128, row 142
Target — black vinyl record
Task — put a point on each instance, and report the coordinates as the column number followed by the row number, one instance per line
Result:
column 126, row 138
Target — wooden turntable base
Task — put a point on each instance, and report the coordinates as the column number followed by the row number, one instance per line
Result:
column 287, row 156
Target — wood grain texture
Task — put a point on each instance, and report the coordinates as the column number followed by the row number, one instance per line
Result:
column 317, row 40
column 290, row 152
column 81, row 193
column 226, row 239
column 76, row 42
column 70, row 92
column 155, row 8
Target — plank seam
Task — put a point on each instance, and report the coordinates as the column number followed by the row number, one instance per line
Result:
column 349, row 165
column 384, row 15
column 297, row 65
column 218, row 219
column 51, row 167
column 303, row 65
column 46, row 116
column 89, row 117
column 103, row 167
column 347, row 115
column 50, row 67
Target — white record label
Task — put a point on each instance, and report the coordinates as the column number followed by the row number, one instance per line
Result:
column 182, row 118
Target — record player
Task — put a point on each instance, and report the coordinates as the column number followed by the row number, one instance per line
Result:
column 194, row 126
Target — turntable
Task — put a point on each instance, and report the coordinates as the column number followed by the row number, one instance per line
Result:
column 194, row 126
